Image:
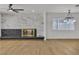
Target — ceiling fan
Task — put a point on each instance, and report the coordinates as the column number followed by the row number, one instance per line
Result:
column 14, row 10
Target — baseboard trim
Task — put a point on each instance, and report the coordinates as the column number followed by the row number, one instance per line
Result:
column 62, row 38
column 28, row 38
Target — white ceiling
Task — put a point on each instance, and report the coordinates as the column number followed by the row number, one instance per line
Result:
column 60, row 8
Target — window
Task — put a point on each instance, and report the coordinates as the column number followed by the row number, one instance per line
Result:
column 59, row 24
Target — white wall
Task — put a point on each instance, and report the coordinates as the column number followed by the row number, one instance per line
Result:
column 53, row 34
column 23, row 20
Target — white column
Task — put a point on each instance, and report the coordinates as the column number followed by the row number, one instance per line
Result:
column 44, row 15
column 0, row 25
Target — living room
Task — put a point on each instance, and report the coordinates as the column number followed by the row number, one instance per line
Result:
column 39, row 29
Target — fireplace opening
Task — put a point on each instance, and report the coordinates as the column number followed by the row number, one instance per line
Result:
column 28, row 33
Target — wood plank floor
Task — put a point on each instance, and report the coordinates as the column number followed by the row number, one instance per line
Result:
column 39, row 47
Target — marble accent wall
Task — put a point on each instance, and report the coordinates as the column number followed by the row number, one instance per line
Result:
column 23, row 20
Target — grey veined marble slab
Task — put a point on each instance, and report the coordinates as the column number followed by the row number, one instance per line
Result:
column 11, row 33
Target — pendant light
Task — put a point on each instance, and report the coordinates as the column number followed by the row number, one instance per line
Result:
column 69, row 19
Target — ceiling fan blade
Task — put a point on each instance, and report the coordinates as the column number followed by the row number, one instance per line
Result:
column 19, row 9
column 77, row 5
column 15, row 10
